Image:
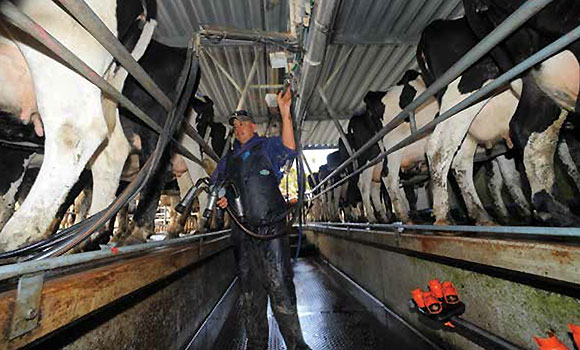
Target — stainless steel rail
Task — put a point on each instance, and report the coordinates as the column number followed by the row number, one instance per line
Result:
column 514, row 21
column 14, row 270
column 513, row 230
column 503, row 79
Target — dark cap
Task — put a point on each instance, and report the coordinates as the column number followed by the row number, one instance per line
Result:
column 242, row 116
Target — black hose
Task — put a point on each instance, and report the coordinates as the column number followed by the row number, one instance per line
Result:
column 248, row 231
column 189, row 73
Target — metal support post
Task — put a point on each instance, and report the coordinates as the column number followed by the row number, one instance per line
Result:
column 224, row 71
column 336, row 123
column 315, row 53
column 248, row 81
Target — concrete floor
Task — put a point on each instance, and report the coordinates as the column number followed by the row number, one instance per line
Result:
column 330, row 318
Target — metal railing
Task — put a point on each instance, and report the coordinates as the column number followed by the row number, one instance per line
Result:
column 93, row 24
column 513, row 22
column 549, row 232
column 87, row 18
column 466, row 103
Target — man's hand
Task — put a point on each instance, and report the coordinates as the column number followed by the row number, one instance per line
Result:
column 222, row 202
column 284, row 100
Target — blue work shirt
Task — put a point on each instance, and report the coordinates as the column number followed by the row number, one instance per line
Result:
column 274, row 149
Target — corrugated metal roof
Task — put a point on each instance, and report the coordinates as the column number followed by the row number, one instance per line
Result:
column 179, row 19
column 373, row 43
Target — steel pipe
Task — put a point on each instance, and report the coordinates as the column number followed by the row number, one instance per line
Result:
column 315, row 53
column 286, row 40
column 191, row 132
column 513, row 22
column 512, row 230
column 508, row 76
column 248, row 81
column 224, row 71
column 23, row 268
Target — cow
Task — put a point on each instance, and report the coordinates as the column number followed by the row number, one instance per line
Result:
column 73, row 120
column 453, row 142
column 558, row 78
column 361, row 128
column 413, row 156
column 163, row 63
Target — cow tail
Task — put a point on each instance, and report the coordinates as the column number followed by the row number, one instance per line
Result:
column 428, row 76
column 481, row 28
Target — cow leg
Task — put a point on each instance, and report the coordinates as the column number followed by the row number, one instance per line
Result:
column 107, row 167
column 399, row 200
column 336, row 204
column 144, row 217
column 364, row 184
column 10, row 188
column 82, row 204
column 463, row 169
column 495, row 185
column 122, row 225
column 539, row 163
column 379, row 203
column 443, row 144
column 68, row 148
column 175, row 226
column 513, row 183
column 566, row 158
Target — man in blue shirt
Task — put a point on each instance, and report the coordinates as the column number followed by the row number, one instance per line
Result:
column 264, row 269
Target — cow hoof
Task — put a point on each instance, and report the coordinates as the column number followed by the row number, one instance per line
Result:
column 131, row 240
column 486, row 223
column 442, row 222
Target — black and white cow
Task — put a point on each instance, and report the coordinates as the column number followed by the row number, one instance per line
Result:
column 536, row 127
column 361, row 128
column 453, row 142
column 73, row 118
column 413, row 156
column 164, row 64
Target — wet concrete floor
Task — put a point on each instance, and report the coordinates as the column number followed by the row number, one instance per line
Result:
column 330, row 317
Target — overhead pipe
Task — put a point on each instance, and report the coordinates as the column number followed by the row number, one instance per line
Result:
column 224, row 72
column 213, row 32
column 315, row 53
column 513, row 22
column 21, row 21
column 505, row 78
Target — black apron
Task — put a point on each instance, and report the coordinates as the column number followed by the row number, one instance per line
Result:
column 253, row 174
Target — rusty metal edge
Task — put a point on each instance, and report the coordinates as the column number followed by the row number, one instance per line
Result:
column 18, row 269
column 554, row 261
column 194, row 252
